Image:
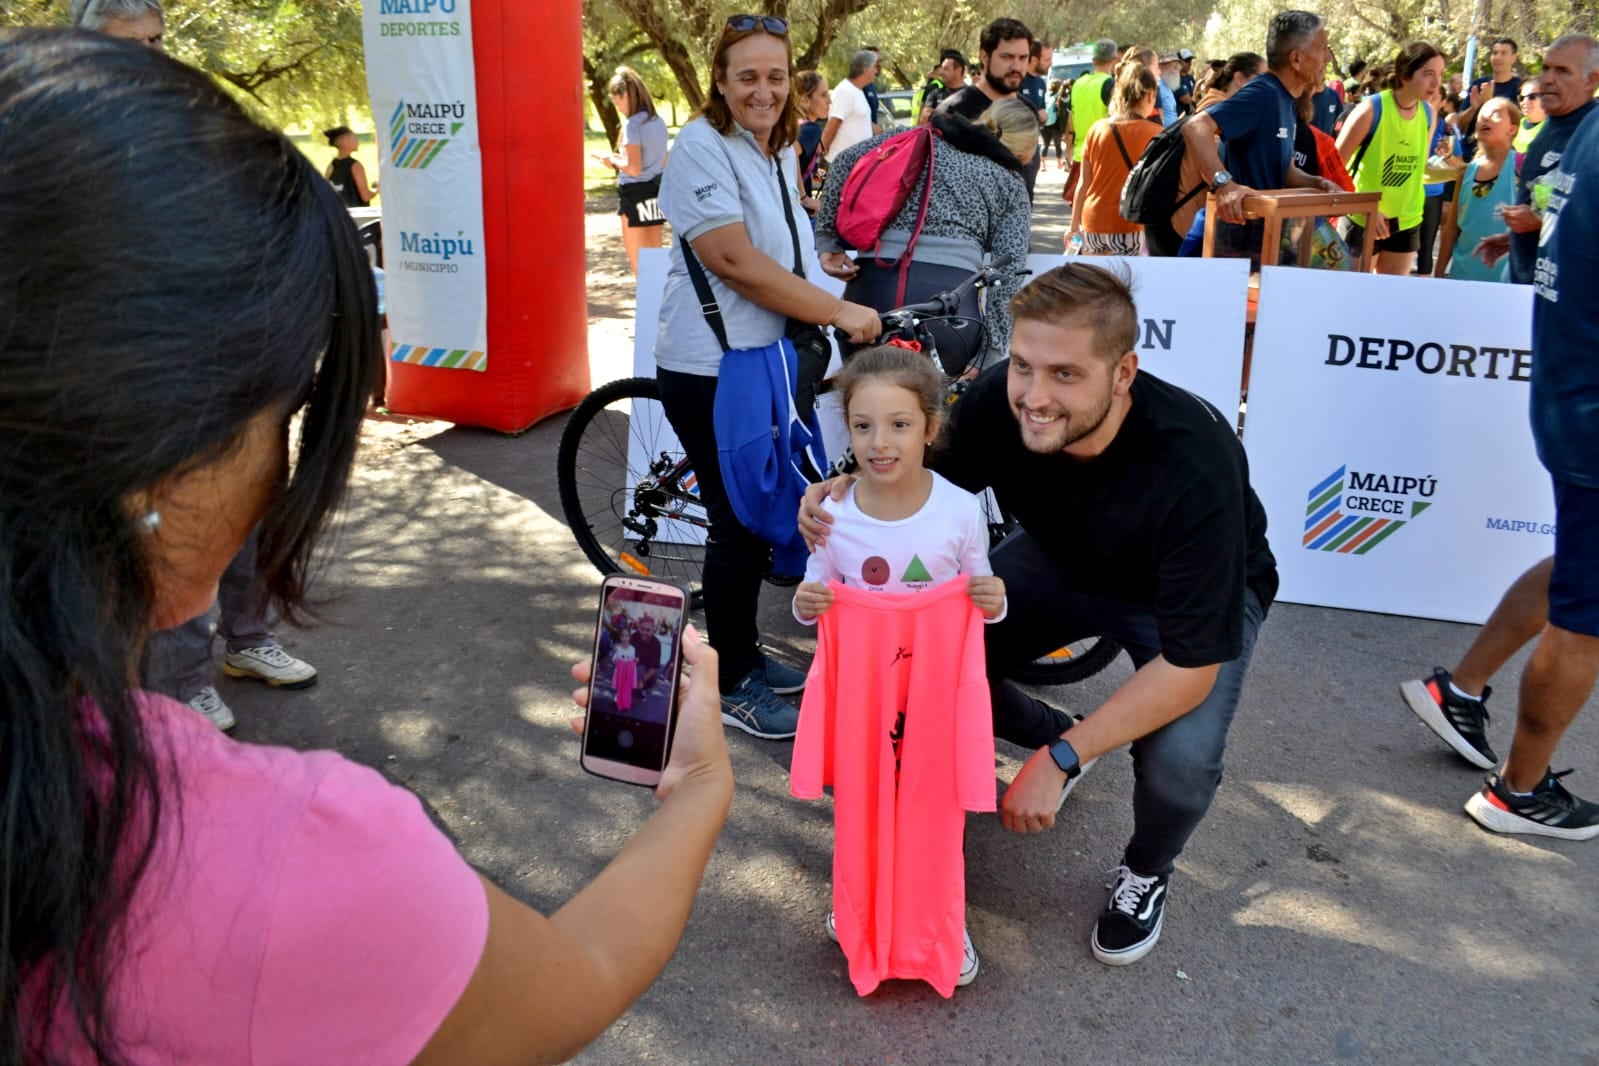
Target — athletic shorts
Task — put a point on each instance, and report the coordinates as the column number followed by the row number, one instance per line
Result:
column 1398, row 241
column 1574, row 585
column 639, row 203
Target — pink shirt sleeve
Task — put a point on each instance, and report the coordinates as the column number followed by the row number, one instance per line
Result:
column 375, row 925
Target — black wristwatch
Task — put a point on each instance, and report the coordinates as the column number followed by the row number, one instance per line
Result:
column 1219, row 179
column 1065, row 757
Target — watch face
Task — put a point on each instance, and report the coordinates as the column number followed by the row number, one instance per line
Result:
column 1065, row 757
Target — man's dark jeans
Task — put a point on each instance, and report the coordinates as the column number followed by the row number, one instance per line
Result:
column 1177, row 767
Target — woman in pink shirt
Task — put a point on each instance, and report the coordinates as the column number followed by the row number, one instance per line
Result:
column 170, row 895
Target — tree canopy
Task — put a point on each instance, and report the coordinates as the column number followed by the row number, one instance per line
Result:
column 300, row 61
column 291, row 61
column 669, row 41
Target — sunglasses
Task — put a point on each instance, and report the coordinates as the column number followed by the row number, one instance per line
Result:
column 770, row 23
column 1524, row 97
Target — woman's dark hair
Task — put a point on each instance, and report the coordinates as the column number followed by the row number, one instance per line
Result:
column 720, row 116
column 897, row 366
column 627, row 82
column 807, row 82
column 136, row 342
column 1249, row 64
column 1409, row 59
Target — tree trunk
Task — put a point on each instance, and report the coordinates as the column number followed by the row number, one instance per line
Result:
column 829, row 21
column 646, row 14
column 598, row 82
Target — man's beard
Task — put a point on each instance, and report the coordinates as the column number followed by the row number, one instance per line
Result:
column 997, row 83
column 1069, row 430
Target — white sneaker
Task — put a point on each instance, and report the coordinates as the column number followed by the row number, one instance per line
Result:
column 968, row 972
column 209, row 703
column 269, row 663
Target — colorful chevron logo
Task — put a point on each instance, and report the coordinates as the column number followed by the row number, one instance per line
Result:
column 413, row 152
column 1329, row 528
column 449, row 358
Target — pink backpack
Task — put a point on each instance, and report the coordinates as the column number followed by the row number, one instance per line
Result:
column 877, row 188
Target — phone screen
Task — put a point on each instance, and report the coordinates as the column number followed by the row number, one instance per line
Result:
column 632, row 695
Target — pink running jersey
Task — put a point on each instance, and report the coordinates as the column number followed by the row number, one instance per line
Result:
column 896, row 718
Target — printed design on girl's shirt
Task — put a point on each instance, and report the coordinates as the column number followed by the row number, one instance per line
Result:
column 896, row 737
column 875, row 571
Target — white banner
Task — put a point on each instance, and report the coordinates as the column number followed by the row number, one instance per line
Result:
column 424, row 101
column 1191, row 320
column 1388, row 439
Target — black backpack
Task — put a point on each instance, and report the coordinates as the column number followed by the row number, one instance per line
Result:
column 1152, row 193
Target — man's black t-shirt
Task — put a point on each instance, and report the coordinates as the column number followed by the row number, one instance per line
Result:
column 1305, row 154
column 968, row 102
column 1163, row 517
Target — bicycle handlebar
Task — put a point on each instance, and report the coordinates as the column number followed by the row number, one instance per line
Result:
column 947, row 303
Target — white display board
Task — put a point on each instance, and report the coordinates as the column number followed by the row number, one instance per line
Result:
column 1191, row 319
column 1388, row 439
column 421, row 78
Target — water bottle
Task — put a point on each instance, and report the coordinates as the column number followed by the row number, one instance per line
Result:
column 377, row 279
column 1076, row 247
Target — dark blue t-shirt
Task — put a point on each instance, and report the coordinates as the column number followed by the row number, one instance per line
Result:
column 871, row 101
column 1565, row 316
column 1543, row 156
column 1326, row 106
column 1033, row 88
column 1257, row 132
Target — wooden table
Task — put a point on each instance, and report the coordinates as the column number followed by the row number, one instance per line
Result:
column 1277, row 206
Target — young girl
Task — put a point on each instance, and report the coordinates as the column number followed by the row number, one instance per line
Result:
column 625, row 677
column 900, row 528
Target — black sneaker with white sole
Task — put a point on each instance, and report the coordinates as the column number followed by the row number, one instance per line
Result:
column 1460, row 722
column 1547, row 811
column 1130, row 924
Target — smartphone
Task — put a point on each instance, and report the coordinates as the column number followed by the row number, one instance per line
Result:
column 632, row 712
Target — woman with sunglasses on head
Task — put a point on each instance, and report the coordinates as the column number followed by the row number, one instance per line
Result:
column 169, row 895
column 731, row 191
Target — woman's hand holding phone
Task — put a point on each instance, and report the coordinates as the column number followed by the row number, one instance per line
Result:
column 699, row 748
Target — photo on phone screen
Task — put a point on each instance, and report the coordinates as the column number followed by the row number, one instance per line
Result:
column 633, row 693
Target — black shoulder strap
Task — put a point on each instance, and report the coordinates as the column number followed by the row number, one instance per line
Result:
column 1121, row 145
column 702, row 286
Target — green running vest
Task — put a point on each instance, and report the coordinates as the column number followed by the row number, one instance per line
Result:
column 1087, row 109
column 1395, row 164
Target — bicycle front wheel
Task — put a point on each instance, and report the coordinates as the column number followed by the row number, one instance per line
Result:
column 627, row 490
column 1072, row 663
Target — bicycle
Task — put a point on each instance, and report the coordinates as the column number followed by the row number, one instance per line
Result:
column 630, row 496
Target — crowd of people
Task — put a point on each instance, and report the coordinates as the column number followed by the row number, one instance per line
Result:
column 311, row 907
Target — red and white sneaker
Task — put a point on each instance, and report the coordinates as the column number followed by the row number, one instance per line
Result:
column 1547, row 811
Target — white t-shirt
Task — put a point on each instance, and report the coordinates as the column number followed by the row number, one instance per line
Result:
column 946, row 538
column 850, row 108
